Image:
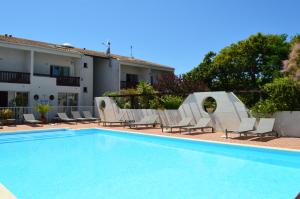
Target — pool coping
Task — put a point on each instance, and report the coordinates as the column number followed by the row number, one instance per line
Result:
column 32, row 131
column 198, row 140
column 149, row 134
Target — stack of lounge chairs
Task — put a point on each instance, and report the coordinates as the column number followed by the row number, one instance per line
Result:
column 203, row 123
column 120, row 119
column 64, row 118
column 150, row 120
column 185, row 122
column 87, row 117
column 30, row 119
column 246, row 125
column 264, row 127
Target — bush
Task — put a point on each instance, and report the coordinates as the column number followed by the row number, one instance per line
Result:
column 122, row 102
column 282, row 95
column 155, row 103
column 145, row 89
column 264, row 108
column 171, row 101
column 6, row 114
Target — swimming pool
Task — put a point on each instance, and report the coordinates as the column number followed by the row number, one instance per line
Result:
column 93, row 163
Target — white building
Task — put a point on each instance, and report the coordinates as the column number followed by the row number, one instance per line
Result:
column 32, row 72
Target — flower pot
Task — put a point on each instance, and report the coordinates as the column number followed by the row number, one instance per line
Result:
column 43, row 119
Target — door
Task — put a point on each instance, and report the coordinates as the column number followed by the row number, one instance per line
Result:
column 3, row 98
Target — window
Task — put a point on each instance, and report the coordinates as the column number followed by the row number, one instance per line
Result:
column 12, row 98
column 132, row 78
column 67, row 99
column 62, row 99
column 85, row 89
column 21, row 99
column 151, row 80
column 59, row 71
column 85, row 65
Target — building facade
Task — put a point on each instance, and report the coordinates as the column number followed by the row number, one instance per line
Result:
column 33, row 72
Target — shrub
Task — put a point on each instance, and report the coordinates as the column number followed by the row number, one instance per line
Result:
column 282, row 95
column 171, row 101
column 6, row 114
column 155, row 103
column 146, row 89
column 264, row 108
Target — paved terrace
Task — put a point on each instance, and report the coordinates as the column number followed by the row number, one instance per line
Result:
column 282, row 142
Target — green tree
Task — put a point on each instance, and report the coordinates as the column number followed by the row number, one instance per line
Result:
column 245, row 65
column 204, row 71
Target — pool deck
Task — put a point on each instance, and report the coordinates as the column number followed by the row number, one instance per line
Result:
column 282, row 142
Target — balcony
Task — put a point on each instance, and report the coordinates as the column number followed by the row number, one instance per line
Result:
column 63, row 80
column 15, row 77
column 126, row 84
column 68, row 81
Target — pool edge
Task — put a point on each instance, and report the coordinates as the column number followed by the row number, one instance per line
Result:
column 198, row 140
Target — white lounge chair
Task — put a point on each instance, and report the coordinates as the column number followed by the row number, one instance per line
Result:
column 63, row 117
column 119, row 120
column 247, row 124
column 203, row 123
column 183, row 123
column 76, row 115
column 88, row 116
column 30, row 119
column 265, row 127
column 150, row 120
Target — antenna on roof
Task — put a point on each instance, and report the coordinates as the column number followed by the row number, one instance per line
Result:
column 107, row 44
column 131, row 55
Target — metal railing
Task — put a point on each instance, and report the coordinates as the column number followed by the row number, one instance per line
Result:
column 68, row 81
column 15, row 77
column 63, row 80
column 17, row 112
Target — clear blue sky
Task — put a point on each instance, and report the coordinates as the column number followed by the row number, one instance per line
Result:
column 177, row 33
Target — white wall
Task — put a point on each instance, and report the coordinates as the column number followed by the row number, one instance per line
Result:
column 227, row 115
column 106, row 76
column 287, row 123
column 46, row 86
column 43, row 61
column 143, row 73
column 14, row 60
column 86, row 80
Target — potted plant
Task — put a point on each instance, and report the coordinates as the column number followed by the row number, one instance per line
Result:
column 210, row 105
column 102, row 106
column 43, row 109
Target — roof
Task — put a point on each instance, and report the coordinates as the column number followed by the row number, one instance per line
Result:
column 11, row 39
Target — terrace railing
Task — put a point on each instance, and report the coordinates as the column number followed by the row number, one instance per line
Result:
column 63, row 80
column 17, row 112
column 15, row 77
column 68, row 81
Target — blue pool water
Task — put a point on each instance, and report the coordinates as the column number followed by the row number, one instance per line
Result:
column 90, row 164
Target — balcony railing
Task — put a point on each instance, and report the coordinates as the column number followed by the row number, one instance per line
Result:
column 14, row 77
column 68, row 81
column 125, row 84
column 63, row 80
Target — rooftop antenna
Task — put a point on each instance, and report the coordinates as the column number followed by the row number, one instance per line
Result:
column 131, row 55
column 107, row 44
